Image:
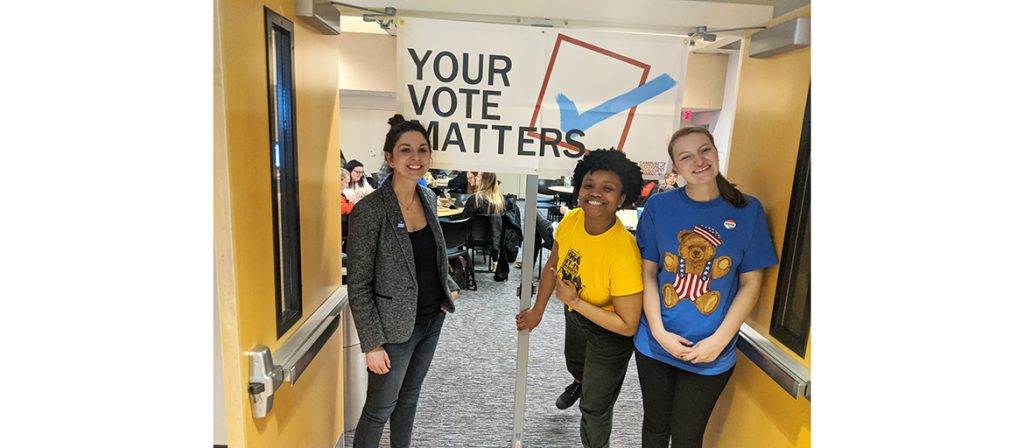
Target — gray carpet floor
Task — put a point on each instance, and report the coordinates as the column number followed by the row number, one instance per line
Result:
column 468, row 395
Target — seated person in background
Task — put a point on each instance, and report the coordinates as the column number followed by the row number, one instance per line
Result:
column 473, row 181
column 438, row 173
column 382, row 173
column 463, row 182
column 488, row 200
column 650, row 187
column 670, row 182
column 544, row 237
column 346, row 206
column 458, row 183
column 358, row 186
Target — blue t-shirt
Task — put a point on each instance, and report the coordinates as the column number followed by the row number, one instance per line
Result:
column 701, row 248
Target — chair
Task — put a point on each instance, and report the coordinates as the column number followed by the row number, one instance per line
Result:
column 456, row 244
column 548, row 199
column 482, row 236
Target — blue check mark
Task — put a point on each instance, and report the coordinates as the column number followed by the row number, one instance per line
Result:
column 572, row 119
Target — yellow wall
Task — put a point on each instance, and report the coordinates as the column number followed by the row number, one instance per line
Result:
column 705, row 81
column 369, row 62
column 754, row 410
column 310, row 413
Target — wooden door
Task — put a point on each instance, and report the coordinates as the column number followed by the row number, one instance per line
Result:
column 309, row 412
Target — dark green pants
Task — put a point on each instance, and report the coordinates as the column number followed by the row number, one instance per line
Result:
column 598, row 358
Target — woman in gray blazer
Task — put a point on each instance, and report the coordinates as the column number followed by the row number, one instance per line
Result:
column 399, row 287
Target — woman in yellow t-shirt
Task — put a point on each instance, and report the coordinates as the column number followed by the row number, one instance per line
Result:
column 595, row 270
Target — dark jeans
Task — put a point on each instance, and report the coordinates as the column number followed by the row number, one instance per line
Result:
column 677, row 403
column 598, row 358
column 395, row 393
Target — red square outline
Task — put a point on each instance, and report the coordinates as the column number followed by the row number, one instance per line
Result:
column 595, row 48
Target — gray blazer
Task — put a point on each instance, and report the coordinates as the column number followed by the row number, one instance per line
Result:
column 381, row 270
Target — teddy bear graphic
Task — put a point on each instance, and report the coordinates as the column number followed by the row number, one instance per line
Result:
column 695, row 267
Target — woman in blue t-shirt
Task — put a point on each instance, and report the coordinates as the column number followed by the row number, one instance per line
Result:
column 704, row 248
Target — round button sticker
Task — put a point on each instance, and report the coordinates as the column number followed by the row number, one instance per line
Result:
column 730, row 224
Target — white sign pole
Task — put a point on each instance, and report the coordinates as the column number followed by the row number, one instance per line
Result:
column 525, row 300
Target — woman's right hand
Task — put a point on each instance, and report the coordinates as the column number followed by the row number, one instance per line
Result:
column 674, row 344
column 377, row 361
column 528, row 320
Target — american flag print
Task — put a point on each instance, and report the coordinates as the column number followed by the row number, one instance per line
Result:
column 709, row 233
column 691, row 286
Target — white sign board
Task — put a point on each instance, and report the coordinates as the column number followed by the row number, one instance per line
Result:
column 527, row 100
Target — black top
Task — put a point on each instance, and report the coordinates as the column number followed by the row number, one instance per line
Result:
column 476, row 205
column 428, row 303
column 459, row 183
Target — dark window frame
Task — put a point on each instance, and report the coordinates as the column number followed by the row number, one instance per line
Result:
column 283, row 169
column 793, row 290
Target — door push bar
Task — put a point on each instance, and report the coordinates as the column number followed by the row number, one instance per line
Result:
column 777, row 364
column 295, row 354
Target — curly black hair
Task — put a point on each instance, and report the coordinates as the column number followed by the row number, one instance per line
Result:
column 616, row 162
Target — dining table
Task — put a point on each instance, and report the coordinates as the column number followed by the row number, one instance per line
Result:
column 564, row 194
column 444, row 210
column 629, row 218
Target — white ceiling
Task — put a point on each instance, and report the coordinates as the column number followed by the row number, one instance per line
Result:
column 678, row 17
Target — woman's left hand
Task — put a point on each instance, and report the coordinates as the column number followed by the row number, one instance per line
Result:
column 455, row 295
column 706, row 350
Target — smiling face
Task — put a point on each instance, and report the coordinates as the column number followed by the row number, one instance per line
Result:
column 357, row 173
column 410, row 158
column 695, row 158
column 601, row 193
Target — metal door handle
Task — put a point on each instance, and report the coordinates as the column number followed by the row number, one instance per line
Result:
column 295, row 354
column 264, row 379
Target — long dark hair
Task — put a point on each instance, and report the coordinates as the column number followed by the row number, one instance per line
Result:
column 727, row 189
column 351, row 165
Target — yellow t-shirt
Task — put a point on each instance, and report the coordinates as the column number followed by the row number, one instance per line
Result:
column 602, row 265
